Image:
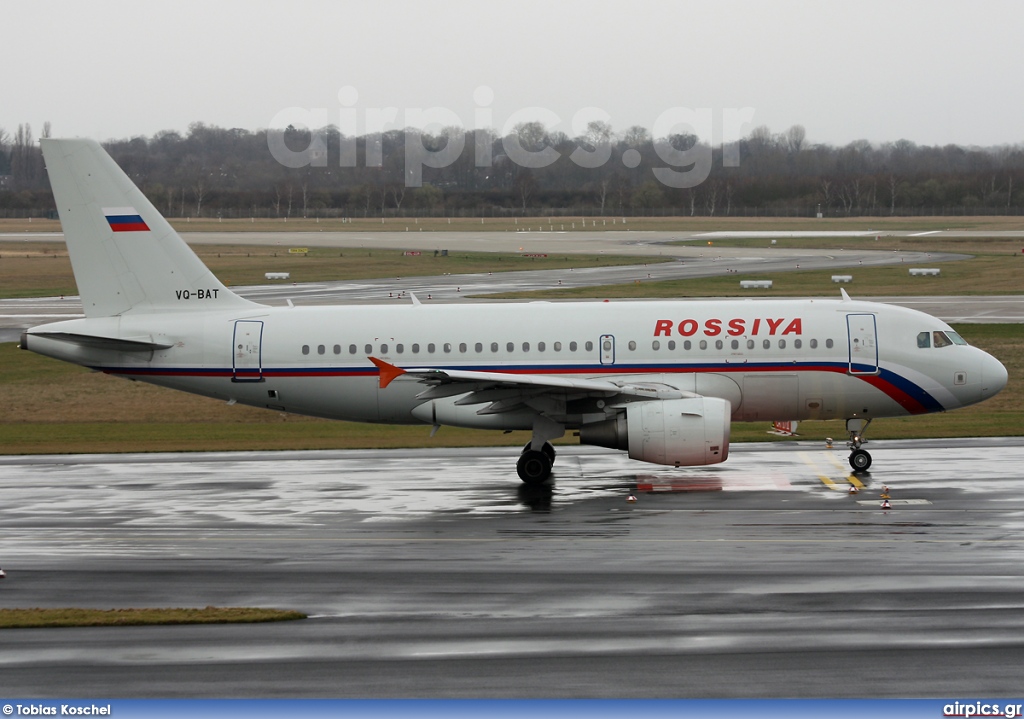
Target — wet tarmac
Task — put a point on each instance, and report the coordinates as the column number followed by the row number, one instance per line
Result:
column 435, row 573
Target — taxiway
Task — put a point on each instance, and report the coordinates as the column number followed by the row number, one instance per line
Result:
column 435, row 573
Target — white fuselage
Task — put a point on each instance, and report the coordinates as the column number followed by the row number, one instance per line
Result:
column 771, row 359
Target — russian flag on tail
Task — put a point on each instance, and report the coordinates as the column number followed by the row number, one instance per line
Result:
column 125, row 219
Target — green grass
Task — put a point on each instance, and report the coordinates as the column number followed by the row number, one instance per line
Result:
column 69, row 617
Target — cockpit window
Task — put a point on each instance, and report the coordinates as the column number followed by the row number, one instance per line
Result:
column 957, row 339
column 924, row 340
column 940, row 339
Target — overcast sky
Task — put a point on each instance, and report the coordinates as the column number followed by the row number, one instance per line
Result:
column 933, row 72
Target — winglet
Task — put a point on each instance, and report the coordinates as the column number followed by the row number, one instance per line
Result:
column 846, row 297
column 388, row 372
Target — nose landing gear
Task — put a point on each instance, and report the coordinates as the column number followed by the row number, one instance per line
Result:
column 860, row 459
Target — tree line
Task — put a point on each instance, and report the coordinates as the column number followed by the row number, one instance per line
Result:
column 212, row 171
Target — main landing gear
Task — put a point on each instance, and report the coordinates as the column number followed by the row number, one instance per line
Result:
column 534, row 466
column 860, row 459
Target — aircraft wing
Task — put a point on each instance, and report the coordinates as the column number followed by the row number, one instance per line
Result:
column 487, row 385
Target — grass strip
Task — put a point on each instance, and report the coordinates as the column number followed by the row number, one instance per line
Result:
column 43, row 269
column 575, row 223
column 72, row 617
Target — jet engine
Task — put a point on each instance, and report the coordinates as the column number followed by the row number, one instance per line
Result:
column 680, row 432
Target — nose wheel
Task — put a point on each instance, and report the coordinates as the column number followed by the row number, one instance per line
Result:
column 860, row 459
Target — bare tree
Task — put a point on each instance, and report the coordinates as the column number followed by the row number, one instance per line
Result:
column 711, row 197
column 276, row 203
column 636, row 137
column 397, row 191
column 826, row 192
column 197, row 177
column 23, row 158
column 525, row 185
column 602, row 192
column 795, row 137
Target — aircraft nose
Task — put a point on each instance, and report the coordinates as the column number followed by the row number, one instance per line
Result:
column 994, row 376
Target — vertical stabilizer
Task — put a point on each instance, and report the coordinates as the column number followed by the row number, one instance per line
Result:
column 125, row 255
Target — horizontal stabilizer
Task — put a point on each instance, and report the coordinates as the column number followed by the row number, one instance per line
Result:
column 97, row 343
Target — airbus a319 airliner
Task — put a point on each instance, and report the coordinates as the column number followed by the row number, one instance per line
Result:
column 661, row 380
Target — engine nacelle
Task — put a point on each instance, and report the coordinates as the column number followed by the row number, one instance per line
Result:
column 679, row 432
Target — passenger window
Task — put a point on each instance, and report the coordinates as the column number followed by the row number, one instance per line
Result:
column 337, row 349
column 540, row 346
column 321, row 349
column 718, row 344
column 632, row 346
column 572, row 346
column 415, row 349
column 510, row 347
column 750, row 344
column 671, row 344
column 305, row 349
column 814, row 344
column 526, row 346
column 828, row 344
column 494, row 346
column 589, row 346
column 782, row 344
column 431, row 348
column 735, row 344
column 462, row 347
column 655, row 345
column 369, row 349
column 767, row 344
column 798, row 344
column 940, row 339
column 383, row 349
column 687, row 345
column 703, row 344
column 352, row 349
column 447, row 347
column 478, row 347
column 399, row 349
column 557, row 346
column 924, row 340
